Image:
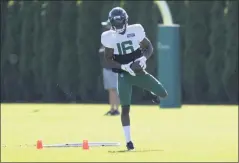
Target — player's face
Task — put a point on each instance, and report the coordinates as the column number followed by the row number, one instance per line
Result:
column 120, row 30
column 119, row 25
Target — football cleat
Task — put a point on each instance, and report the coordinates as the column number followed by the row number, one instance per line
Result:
column 155, row 99
column 130, row 146
column 112, row 112
column 115, row 112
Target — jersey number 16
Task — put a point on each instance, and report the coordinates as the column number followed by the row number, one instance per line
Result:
column 124, row 46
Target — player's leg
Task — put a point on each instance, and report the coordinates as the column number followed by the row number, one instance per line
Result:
column 150, row 83
column 113, row 93
column 111, row 99
column 110, row 83
column 125, row 91
column 114, row 101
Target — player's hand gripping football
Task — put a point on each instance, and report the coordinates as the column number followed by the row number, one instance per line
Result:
column 126, row 67
column 142, row 62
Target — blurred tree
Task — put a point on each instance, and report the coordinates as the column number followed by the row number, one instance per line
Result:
column 51, row 50
column 10, row 53
column 196, row 51
column 179, row 10
column 148, row 18
column 215, row 63
column 88, row 40
column 68, row 64
column 132, row 8
column 107, row 6
column 4, row 7
column 27, row 79
column 37, row 47
column 230, row 73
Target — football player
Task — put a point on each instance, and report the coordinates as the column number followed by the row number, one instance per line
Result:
column 125, row 44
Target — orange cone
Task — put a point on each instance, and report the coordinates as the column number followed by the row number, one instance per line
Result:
column 39, row 144
column 85, row 145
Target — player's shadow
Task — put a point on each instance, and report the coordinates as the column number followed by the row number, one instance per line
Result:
column 139, row 150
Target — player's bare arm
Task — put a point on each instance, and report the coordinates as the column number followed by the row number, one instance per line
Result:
column 147, row 50
column 147, row 47
column 108, row 56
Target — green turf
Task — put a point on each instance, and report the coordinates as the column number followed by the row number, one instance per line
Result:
column 192, row 133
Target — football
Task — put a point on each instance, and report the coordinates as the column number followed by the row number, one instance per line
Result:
column 136, row 67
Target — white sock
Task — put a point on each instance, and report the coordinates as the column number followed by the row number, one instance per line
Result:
column 127, row 133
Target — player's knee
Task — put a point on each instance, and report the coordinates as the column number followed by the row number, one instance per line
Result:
column 125, row 110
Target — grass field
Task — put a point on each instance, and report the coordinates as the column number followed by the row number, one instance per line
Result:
column 192, row 133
